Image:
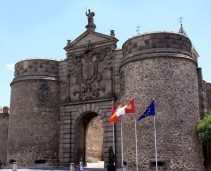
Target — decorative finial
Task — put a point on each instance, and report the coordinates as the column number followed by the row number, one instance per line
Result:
column 91, row 26
column 181, row 30
column 68, row 41
column 180, row 20
column 138, row 29
column 112, row 33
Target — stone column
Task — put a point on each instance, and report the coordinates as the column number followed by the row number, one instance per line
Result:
column 14, row 166
column 111, row 93
column 67, row 99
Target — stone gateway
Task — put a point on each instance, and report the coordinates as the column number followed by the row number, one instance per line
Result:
column 54, row 103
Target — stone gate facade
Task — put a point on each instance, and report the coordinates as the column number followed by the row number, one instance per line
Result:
column 55, row 101
column 4, row 123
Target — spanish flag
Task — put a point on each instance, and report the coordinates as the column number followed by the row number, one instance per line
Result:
column 114, row 116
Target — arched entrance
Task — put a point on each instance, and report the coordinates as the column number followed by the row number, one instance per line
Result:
column 89, row 140
column 74, row 123
column 94, row 140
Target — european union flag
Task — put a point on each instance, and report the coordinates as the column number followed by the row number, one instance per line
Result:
column 149, row 112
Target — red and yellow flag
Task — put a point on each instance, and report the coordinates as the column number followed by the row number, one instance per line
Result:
column 114, row 116
column 130, row 107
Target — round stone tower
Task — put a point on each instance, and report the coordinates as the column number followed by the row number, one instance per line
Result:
column 160, row 65
column 33, row 136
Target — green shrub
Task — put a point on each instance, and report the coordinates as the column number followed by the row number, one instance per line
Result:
column 204, row 129
column 111, row 156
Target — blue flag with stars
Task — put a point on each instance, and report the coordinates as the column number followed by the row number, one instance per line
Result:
column 149, row 112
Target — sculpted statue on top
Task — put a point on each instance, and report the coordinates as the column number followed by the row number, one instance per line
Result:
column 90, row 16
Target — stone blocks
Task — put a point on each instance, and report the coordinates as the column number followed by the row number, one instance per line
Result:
column 4, row 124
column 156, row 40
column 36, row 67
column 38, row 136
column 173, row 83
column 160, row 65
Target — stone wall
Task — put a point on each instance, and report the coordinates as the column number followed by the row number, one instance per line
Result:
column 36, row 67
column 157, row 41
column 4, row 123
column 207, row 92
column 94, row 139
column 118, row 91
column 89, row 77
column 201, row 92
column 207, row 109
column 62, row 69
column 170, row 76
column 35, row 105
column 55, row 102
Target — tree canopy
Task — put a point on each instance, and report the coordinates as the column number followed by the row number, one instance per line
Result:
column 204, row 129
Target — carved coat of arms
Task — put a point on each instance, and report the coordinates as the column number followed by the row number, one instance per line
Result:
column 44, row 94
column 87, row 70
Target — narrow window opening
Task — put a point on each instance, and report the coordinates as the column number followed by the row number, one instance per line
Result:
column 12, row 161
column 161, row 164
column 40, row 162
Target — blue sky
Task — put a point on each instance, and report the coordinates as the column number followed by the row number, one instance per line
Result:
column 40, row 28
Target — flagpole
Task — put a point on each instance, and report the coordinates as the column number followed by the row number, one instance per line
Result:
column 156, row 158
column 136, row 146
column 121, row 142
column 114, row 141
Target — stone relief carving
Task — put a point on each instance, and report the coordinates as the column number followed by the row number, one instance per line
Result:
column 44, row 94
column 88, row 71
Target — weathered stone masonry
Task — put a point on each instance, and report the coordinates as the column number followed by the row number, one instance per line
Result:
column 56, row 102
column 160, row 66
column 34, row 118
column 4, row 119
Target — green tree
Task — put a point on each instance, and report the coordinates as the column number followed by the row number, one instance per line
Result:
column 204, row 129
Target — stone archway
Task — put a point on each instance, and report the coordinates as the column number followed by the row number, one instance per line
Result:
column 86, row 128
column 73, row 125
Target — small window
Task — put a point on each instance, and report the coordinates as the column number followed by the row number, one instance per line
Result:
column 40, row 161
column 12, row 161
column 161, row 164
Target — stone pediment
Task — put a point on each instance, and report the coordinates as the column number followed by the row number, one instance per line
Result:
column 91, row 37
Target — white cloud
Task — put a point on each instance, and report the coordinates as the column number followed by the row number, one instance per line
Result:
column 10, row 66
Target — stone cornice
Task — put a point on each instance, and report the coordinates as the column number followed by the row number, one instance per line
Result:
column 154, row 53
column 154, row 32
column 36, row 77
column 89, row 101
column 106, row 39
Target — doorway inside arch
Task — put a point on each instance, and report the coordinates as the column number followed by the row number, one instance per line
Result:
column 89, row 143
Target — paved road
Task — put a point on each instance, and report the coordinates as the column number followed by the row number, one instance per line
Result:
column 54, row 169
column 98, row 166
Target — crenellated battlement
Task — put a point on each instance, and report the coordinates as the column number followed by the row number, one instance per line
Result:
column 158, row 42
column 35, row 68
